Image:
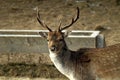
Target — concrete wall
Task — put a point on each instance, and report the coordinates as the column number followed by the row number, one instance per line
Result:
column 33, row 50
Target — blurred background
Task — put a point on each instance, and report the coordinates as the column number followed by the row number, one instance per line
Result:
column 103, row 15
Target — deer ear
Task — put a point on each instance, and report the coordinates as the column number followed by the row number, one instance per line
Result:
column 43, row 34
column 67, row 33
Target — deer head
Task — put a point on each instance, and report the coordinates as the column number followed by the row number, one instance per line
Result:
column 56, row 42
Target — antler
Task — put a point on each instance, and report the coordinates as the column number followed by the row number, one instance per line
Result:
column 59, row 26
column 42, row 23
column 73, row 20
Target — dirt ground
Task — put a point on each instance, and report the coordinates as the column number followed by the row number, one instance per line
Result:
column 103, row 15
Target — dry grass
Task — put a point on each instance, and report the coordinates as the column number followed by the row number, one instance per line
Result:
column 31, row 71
column 25, row 78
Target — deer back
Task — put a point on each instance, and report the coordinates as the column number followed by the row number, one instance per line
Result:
column 103, row 62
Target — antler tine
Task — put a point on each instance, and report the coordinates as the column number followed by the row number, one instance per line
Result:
column 42, row 23
column 59, row 26
column 73, row 20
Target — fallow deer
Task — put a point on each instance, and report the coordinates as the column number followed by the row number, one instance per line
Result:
column 85, row 63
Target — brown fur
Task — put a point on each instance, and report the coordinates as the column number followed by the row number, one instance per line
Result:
column 86, row 63
column 97, row 62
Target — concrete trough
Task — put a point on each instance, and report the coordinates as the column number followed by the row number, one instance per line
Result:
column 29, row 41
column 28, row 47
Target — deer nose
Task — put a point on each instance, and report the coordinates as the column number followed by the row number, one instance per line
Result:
column 53, row 48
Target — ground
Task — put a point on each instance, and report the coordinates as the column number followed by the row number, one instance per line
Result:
column 103, row 15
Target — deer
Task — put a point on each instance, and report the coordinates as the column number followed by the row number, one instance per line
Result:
column 84, row 63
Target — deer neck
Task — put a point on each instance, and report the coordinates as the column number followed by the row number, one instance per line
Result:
column 61, row 61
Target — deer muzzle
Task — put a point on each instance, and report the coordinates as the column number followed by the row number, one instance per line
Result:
column 53, row 48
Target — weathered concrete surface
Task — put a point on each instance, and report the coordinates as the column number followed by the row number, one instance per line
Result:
column 31, row 50
column 23, row 44
column 39, row 45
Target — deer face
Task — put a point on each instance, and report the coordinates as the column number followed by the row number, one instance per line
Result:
column 55, row 41
column 55, row 38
